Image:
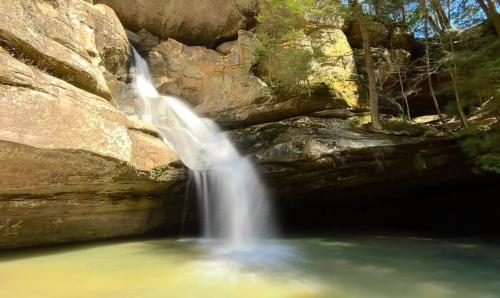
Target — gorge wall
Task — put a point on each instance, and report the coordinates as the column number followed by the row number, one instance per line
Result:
column 74, row 167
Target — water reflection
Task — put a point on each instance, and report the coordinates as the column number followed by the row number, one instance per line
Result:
column 358, row 267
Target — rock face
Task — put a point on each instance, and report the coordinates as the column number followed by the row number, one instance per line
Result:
column 377, row 31
column 143, row 41
column 390, row 36
column 335, row 67
column 192, row 22
column 219, row 86
column 44, row 112
column 71, row 39
column 389, row 66
column 306, row 156
column 72, row 166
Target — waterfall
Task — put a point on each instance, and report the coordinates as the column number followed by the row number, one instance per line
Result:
column 233, row 201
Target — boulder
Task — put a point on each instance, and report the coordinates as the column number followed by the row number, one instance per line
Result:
column 335, row 66
column 192, row 22
column 72, row 39
column 143, row 40
column 320, row 19
column 378, row 34
column 72, row 166
column 217, row 85
column 227, row 47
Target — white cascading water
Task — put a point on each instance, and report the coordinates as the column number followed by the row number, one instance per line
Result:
column 233, row 201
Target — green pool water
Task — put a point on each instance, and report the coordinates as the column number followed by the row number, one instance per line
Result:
column 364, row 267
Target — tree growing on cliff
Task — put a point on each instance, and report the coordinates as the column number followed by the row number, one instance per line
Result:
column 286, row 53
column 490, row 9
column 284, row 62
column 429, row 73
column 362, row 20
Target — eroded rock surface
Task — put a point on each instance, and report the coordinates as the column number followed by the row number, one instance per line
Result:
column 335, row 67
column 72, row 166
column 218, row 85
column 304, row 156
column 72, row 39
column 64, row 150
column 192, row 22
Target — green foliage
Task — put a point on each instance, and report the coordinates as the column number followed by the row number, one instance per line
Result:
column 280, row 20
column 285, row 55
column 464, row 14
column 478, row 80
column 478, row 63
column 490, row 163
column 283, row 62
column 359, row 121
column 482, row 144
column 285, row 68
column 404, row 126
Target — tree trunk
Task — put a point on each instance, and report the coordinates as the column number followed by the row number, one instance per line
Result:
column 494, row 15
column 423, row 3
column 370, row 69
column 490, row 10
column 431, row 20
column 441, row 14
column 403, row 11
column 395, row 60
column 401, row 86
column 452, row 69
column 483, row 6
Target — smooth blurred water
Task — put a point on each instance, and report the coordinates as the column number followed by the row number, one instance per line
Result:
column 234, row 203
column 361, row 267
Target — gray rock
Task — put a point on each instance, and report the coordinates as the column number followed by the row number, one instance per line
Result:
column 304, row 156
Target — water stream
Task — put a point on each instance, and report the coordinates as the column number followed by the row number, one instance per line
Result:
column 339, row 267
column 233, row 200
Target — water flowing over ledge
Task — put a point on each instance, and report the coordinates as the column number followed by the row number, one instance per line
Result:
column 233, row 200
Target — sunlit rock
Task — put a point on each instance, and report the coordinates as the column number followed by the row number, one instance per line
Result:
column 193, row 22
column 72, row 39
